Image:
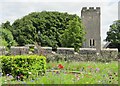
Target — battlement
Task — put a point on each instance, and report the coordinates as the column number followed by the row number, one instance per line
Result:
column 91, row 8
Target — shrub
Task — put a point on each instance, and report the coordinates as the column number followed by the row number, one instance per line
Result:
column 23, row 66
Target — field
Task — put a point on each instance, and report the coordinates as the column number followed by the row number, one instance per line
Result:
column 73, row 73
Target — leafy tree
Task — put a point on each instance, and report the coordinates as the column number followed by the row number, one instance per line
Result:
column 113, row 35
column 73, row 35
column 45, row 28
column 6, row 38
column 6, row 25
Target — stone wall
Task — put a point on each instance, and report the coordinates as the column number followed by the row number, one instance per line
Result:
column 2, row 50
column 65, row 50
column 19, row 50
column 84, row 53
column 87, row 51
column 109, row 52
column 43, row 50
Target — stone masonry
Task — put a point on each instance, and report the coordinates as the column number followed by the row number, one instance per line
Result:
column 91, row 20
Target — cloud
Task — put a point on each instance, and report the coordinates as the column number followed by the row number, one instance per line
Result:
column 109, row 14
column 19, row 9
column 15, row 9
column 58, row 0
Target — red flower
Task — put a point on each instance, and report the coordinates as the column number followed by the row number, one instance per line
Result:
column 60, row 66
column 89, row 66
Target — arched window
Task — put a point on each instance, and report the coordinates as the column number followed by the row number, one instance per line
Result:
column 92, row 43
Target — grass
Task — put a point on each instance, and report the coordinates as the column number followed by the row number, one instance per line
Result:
column 74, row 73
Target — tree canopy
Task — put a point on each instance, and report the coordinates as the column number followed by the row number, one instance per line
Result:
column 6, row 38
column 113, row 35
column 73, row 35
column 48, row 29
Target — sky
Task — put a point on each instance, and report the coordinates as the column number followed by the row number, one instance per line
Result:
column 14, row 9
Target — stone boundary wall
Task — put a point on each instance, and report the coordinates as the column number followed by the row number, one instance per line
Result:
column 87, row 51
column 2, row 50
column 65, row 50
column 43, row 50
column 19, row 50
column 110, row 52
column 105, row 52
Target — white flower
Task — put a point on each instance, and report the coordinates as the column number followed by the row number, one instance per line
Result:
column 78, row 78
column 29, row 73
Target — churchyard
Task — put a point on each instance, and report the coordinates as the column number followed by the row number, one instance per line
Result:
column 73, row 55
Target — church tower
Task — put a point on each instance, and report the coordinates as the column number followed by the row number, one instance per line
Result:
column 91, row 21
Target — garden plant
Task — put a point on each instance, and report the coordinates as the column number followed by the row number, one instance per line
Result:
column 62, row 72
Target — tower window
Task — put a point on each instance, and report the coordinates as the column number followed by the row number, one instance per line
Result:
column 92, row 43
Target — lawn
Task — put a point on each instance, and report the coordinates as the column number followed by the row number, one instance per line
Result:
column 73, row 73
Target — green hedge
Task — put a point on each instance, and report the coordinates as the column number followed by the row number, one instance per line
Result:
column 23, row 66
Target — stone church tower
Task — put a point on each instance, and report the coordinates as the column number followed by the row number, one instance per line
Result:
column 91, row 21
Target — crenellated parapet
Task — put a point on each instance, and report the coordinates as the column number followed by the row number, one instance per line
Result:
column 97, row 9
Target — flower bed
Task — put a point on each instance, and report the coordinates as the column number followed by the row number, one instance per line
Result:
column 74, row 73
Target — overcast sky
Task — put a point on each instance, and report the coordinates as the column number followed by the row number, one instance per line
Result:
column 14, row 9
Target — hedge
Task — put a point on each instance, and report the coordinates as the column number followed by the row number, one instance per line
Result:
column 23, row 66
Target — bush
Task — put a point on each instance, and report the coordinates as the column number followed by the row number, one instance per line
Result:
column 23, row 66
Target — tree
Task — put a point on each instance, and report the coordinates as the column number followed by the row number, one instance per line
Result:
column 6, row 38
column 51, row 26
column 73, row 35
column 113, row 35
column 6, row 25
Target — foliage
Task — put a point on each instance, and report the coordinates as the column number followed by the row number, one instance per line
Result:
column 45, row 28
column 23, row 66
column 75, row 73
column 73, row 35
column 6, row 38
column 6, row 25
column 113, row 35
